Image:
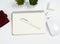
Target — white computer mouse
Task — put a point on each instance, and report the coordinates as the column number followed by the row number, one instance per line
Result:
column 52, row 23
column 53, row 28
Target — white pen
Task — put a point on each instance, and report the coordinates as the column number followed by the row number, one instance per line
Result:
column 28, row 22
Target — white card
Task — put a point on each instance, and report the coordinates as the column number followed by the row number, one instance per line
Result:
column 28, row 23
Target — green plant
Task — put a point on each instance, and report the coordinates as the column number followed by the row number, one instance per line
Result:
column 20, row 2
column 33, row 2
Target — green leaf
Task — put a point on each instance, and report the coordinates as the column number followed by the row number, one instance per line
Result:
column 20, row 2
column 33, row 2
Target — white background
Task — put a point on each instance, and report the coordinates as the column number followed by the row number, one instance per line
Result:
column 5, row 32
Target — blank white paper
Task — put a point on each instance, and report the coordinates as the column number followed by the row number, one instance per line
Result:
column 37, row 19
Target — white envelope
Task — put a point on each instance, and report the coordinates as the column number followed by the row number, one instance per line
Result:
column 29, row 22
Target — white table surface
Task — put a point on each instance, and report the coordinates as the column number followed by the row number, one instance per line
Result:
column 5, row 32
